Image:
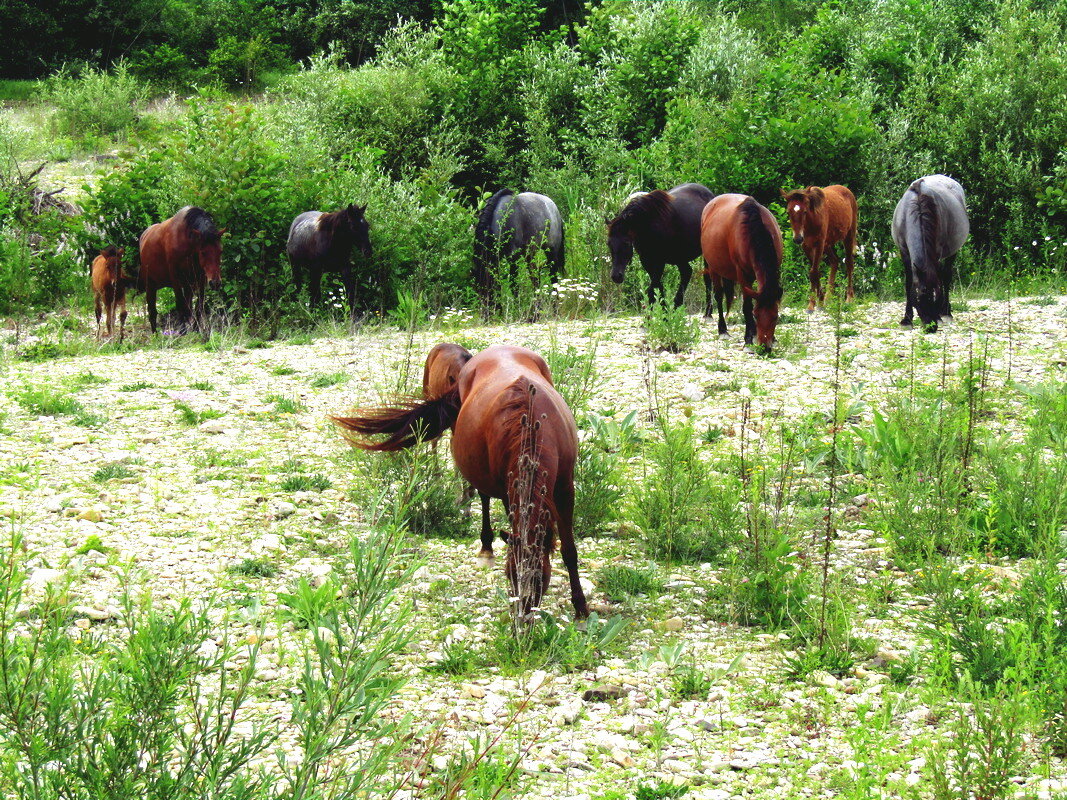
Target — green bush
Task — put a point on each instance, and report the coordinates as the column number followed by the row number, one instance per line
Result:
column 94, row 102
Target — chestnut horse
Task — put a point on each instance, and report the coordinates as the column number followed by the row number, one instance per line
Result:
column 182, row 253
column 442, row 369
column 664, row 228
column 513, row 438
column 742, row 244
column 821, row 217
column 109, row 289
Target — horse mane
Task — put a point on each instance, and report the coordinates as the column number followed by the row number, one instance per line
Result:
column 200, row 221
column 110, row 252
column 407, row 423
column 762, row 244
column 654, row 206
column 816, row 196
column 927, row 216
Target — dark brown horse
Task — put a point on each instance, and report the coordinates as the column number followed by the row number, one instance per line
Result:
column 109, row 289
column 319, row 241
column 821, row 217
column 183, row 253
column 513, row 438
column 442, row 369
column 664, row 228
column 742, row 244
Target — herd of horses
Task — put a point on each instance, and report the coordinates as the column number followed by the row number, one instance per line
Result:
column 513, row 436
column 737, row 238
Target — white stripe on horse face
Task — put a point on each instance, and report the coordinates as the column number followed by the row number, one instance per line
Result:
column 796, row 207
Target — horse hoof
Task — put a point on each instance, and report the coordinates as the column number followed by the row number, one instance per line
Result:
column 905, row 323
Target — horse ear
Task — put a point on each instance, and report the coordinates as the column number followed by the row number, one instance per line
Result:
column 782, row 193
column 222, row 232
column 361, row 209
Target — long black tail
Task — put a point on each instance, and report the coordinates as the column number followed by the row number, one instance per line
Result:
column 770, row 285
column 485, row 240
column 405, row 425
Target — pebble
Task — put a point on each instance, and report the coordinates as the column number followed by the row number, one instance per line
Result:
column 600, row 694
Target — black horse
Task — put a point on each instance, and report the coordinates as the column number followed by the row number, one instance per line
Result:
column 513, row 227
column 319, row 241
column 664, row 228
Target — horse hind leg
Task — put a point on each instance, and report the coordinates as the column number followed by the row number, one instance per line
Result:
column 850, row 261
column 564, row 497
column 486, row 557
column 909, row 291
column 122, row 319
column 685, row 273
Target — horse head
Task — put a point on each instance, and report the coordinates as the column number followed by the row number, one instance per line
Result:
column 358, row 228
column 621, row 245
column 766, row 313
column 209, row 253
column 799, row 204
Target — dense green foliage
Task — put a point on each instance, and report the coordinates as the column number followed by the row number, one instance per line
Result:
column 466, row 97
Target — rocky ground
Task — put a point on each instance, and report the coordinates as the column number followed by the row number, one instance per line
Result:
column 201, row 494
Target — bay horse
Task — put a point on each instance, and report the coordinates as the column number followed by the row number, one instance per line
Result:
column 513, row 228
column 183, row 253
column 664, row 228
column 930, row 226
column 320, row 242
column 821, row 217
column 742, row 244
column 514, row 438
column 109, row 289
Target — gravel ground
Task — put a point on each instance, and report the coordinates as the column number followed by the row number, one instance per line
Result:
column 201, row 498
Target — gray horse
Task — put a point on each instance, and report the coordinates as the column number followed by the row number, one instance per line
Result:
column 930, row 226
column 320, row 241
column 512, row 228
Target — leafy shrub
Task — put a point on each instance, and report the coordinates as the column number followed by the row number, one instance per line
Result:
column 671, row 329
column 679, row 510
column 547, row 641
column 618, row 581
column 94, row 102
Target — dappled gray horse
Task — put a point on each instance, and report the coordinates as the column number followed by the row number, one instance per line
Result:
column 319, row 242
column 515, row 227
column 930, row 226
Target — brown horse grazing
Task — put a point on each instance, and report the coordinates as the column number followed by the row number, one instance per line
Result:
column 442, row 369
column 513, row 438
column 741, row 244
column 109, row 289
column 822, row 217
column 183, row 253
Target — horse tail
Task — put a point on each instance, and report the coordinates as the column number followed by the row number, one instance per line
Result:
column 485, row 239
column 763, row 249
column 925, row 211
column 405, row 424
column 530, row 500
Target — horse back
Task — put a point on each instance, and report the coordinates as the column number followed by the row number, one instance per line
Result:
column 306, row 239
column 166, row 254
column 495, row 391
column 839, row 214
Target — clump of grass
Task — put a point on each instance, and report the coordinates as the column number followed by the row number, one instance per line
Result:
column 619, row 581
column 285, row 405
column 328, row 379
column 203, row 386
column 135, row 387
column 283, row 369
column 48, row 402
column 550, row 642
column 212, row 458
column 117, row 470
column 306, row 483
column 457, row 658
column 253, row 568
column 91, row 544
column 671, row 329
column 191, row 416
